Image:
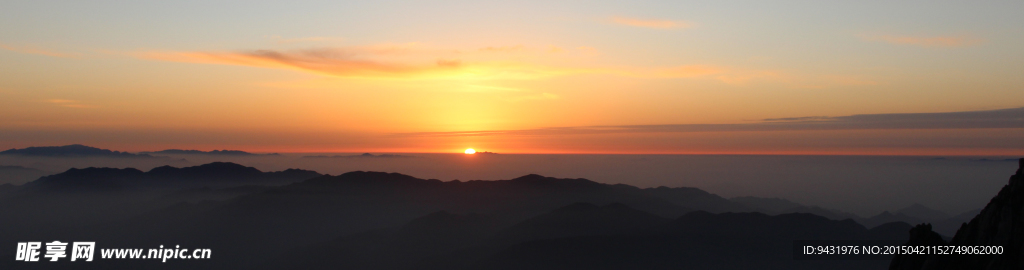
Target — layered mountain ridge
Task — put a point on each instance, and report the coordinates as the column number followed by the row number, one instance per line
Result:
column 1000, row 223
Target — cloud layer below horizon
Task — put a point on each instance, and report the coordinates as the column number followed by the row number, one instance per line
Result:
column 990, row 119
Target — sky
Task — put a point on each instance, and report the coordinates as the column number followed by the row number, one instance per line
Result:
column 656, row 77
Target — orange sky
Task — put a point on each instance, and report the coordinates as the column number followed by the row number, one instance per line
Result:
column 388, row 77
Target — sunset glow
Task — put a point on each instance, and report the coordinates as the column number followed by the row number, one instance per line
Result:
column 660, row 77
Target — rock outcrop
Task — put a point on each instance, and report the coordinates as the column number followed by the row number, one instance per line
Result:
column 1001, row 223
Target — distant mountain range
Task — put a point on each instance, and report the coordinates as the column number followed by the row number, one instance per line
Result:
column 217, row 174
column 296, row 219
column 394, row 221
column 78, row 150
column 364, row 155
column 914, row 214
column 588, row 236
column 18, row 174
column 691, row 198
column 212, row 153
column 74, row 150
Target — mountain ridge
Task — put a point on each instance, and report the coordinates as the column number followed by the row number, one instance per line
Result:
column 998, row 224
column 73, row 150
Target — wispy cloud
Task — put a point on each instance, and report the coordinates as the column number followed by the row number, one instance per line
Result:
column 649, row 23
column 333, row 62
column 382, row 63
column 68, row 103
column 922, row 41
column 992, row 119
column 37, row 51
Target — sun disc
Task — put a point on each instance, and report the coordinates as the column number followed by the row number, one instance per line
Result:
column 470, row 151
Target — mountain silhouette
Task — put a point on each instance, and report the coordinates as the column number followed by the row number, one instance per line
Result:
column 364, row 155
column 377, row 220
column 886, row 217
column 776, row 206
column 697, row 199
column 18, row 174
column 998, row 224
column 98, row 195
column 923, row 213
column 913, row 214
column 948, row 227
column 588, row 236
column 212, row 153
column 74, row 150
column 698, row 240
column 211, row 174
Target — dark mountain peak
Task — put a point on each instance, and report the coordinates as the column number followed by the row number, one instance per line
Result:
column 922, row 212
column 534, row 179
column 366, row 178
column 218, row 174
column 162, row 169
column 74, row 150
column 224, row 166
column 696, row 198
column 370, row 175
column 297, row 171
column 215, row 169
column 91, row 178
column 803, row 216
column 920, row 235
column 94, row 172
column 227, row 172
column 680, row 189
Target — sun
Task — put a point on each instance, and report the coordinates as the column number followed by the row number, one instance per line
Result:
column 470, row 151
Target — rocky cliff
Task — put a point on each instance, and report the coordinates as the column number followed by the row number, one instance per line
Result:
column 1001, row 223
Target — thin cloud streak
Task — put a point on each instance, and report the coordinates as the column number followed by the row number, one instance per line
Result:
column 647, row 23
column 329, row 62
column 992, row 119
column 359, row 63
